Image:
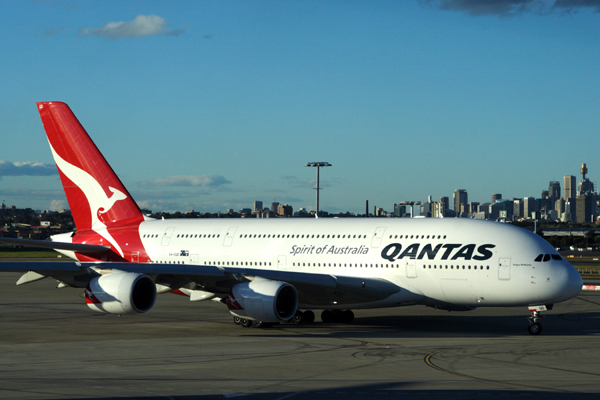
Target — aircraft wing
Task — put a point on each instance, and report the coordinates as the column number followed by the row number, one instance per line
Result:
column 47, row 244
column 312, row 288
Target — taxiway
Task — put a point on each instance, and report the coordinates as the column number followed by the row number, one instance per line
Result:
column 53, row 347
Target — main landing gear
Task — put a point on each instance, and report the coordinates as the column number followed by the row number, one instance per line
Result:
column 302, row 317
column 327, row 316
column 337, row 316
column 535, row 328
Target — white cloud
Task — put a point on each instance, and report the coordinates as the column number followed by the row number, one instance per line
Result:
column 58, row 205
column 26, row 168
column 140, row 26
column 187, row 180
column 508, row 8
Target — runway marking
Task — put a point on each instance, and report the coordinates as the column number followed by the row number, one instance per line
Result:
column 589, row 301
column 428, row 361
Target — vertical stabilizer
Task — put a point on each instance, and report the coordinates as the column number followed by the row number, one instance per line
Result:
column 96, row 196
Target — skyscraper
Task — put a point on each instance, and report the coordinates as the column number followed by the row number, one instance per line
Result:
column 569, row 188
column 554, row 190
column 569, row 194
column 496, row 197
column 529, row 206
column 461, row 199
column 586, row 207
column 274, row 206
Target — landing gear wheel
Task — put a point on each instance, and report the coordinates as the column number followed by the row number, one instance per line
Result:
column 309, row 317
column 298, row 318
column 327, row 316
column 258, row 324
column 534, row 328
column 347, row 317
column 246, row 323
column 237, row 320
column 337, row 316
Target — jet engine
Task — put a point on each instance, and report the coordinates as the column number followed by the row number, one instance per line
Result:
column 263, row 300
column 121, row 293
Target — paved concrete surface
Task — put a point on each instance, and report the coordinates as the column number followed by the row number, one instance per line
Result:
column 53, row 347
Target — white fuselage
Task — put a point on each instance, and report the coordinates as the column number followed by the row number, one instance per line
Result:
column 435, row 261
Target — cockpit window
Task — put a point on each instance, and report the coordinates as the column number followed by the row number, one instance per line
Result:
column 546, row 257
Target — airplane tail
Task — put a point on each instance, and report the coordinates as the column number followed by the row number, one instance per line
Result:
column 95, row 194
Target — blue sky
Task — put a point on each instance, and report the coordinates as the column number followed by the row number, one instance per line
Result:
column 210, row 105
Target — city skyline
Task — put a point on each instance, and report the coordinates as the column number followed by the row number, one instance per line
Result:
column 210, row 106
column 465, row 208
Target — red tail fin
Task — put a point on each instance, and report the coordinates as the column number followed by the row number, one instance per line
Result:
column 96, row 196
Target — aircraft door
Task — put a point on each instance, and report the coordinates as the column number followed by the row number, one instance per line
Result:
column 504, row 269
column 229, row 236
column 411, row 268
column 135, row 256
column 282, row 263
column 376, row 242
column 194, row 259
column 167, row 236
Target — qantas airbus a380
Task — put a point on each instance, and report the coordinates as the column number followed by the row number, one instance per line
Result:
column 267, row 270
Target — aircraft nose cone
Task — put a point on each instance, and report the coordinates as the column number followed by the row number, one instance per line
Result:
column 570, row 284
column 574, row 282
column 564, row 283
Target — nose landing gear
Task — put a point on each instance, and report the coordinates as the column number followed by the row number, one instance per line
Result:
column 535, row 328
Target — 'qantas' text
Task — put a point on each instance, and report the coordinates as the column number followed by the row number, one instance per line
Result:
column 394, row 251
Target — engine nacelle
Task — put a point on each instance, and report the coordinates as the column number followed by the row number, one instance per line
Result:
column 121, row 293
column 263, row 300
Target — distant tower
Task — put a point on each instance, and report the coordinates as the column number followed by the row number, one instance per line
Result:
column 569, row 188
column 585, row 186
column 554, row 190
column 496, row 197
column 460, row 199
column 258, row 205
column 274, row 206
column 443, row 207
column 529, row 206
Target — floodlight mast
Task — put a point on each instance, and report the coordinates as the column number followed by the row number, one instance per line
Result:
column 318, row 165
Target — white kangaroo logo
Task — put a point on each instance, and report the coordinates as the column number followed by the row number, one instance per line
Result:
column 99, row 202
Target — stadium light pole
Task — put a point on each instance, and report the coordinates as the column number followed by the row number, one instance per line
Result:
column 318, row 165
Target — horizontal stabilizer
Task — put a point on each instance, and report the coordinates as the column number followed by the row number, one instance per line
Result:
column 46, row 244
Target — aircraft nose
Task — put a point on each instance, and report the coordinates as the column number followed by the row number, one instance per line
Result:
column 574, row 282
column 571, row 283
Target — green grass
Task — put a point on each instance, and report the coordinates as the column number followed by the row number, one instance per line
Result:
column 585, row 262
column 17, row 255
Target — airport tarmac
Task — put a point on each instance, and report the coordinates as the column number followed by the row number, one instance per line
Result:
column 53, row 347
